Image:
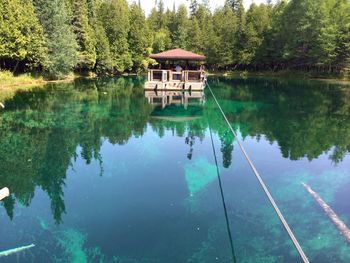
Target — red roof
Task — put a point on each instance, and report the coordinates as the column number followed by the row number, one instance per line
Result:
column 177, row 54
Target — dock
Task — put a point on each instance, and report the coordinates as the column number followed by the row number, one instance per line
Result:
column 178, row 70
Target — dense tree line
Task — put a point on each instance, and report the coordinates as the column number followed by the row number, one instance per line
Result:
column 111, row 36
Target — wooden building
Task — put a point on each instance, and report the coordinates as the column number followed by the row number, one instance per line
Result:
column 177, row 69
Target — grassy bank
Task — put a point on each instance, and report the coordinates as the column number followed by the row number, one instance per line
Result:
column 7, row 79
column 284, row 74
column 10, row 83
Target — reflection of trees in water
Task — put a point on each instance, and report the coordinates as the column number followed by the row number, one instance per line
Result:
column 41, row 130
column 306, row 119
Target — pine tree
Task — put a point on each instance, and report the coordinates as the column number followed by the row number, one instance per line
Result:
column 271, row 53
column 212, row 44
column 59, row 36
column 341, row 16
column 257, row 24
column 235, row 5
column 179, row 33
column 323, row 51
column 84, row 35
column 239, row 38
column 115, row 18
column 139, row 38
column 203, row 18
column 21, row 40
column 225, row 26
column 152, row 20
column 161, row 18
column 301, row 24
column 103, row 63
column 193, row 7
column 195, row 43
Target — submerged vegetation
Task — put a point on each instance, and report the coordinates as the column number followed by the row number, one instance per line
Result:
column 112, row 37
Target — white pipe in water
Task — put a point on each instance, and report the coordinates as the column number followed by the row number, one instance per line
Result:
column 4, row 192
column 9, row 252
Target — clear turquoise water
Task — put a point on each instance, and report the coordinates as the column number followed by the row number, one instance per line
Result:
column 98, row 174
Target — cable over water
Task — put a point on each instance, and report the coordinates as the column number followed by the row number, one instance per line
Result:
column 263, row 185
column 223, row 198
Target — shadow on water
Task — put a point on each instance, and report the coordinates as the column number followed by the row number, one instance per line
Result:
column 45, row 134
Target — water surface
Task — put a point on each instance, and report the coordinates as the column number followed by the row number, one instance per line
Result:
column 100, row 174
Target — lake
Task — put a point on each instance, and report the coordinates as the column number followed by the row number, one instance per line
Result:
column 100, row 172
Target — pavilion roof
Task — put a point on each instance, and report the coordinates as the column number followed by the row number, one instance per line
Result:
column 177, row 54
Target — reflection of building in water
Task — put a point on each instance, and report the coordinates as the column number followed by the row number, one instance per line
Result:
column 176, row 106
column 164, row 98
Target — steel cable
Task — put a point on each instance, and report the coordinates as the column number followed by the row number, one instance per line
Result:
column 262, row 184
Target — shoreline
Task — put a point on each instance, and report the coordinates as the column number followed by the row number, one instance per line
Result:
column 30, row 82
column 7, row 90
column 34, row 83
column 282, row 74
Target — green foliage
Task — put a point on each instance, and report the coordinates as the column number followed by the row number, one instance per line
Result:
column 193, row 7
column 139, row 38
column 161, row 17
column 84, row 35
column 103, row 54
column 60, row 39
column 161, row 40
column 21, row 35
column 115, row 18
column 256, row 24
column 8, row 79
column 341, row 16
column 180, row 28
column 109, row 36
column 235, row 5
column 225, row 28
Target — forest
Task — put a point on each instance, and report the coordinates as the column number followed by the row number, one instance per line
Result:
column 111, row 37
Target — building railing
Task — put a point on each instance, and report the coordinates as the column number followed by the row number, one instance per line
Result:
column 159, row 75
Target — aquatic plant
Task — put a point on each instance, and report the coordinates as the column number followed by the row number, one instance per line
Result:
column 72, row 243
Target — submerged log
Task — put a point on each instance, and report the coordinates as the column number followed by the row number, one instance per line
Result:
column 5, row 192
column 15, row 250
column 344, row 230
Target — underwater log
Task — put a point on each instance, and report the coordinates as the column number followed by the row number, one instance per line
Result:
column 344, row 230
column 4, row 192
column 15, row 250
